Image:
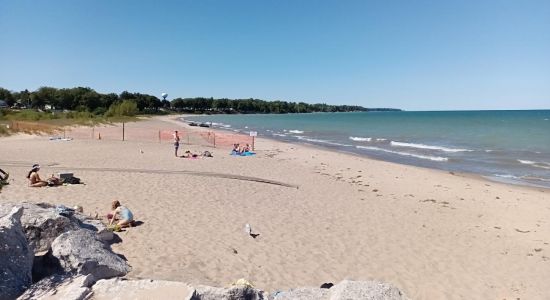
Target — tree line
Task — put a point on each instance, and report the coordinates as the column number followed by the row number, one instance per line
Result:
column 87, row 99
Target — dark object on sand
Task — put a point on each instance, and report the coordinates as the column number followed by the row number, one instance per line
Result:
column 327, row 285
column 193, row 124
column 204, row 125
column 72, row 180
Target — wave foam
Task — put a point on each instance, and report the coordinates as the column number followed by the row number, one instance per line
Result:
column 295, row 131
column 300, row 137
column 542, row 165
column 422, row 146
column 507, row 176
column 433, row 158
column 535, row 178
column 360, row 139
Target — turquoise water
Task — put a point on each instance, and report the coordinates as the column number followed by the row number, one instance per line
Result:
column 511, row 146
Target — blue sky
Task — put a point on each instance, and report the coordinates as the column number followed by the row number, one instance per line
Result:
column 415, row 55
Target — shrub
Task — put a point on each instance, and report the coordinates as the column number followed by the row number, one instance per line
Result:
column 100, row 111
column 125, row 108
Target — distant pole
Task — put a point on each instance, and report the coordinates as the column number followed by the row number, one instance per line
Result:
column 159, row 136
column 123, row 131
column 93, row 132
column 252, row 143
column 214, row 139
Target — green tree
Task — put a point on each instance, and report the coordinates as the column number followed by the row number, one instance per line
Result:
column 7, row 96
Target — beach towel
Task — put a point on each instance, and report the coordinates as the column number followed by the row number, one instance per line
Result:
column 234, row 153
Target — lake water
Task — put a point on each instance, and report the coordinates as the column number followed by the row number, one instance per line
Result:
column 510, row 146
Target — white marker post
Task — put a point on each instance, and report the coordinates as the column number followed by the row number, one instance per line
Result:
column 253, row 134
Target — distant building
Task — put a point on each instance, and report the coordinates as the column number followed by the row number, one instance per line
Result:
column 3, row 104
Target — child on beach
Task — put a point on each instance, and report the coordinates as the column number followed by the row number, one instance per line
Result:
column 36, row 181
column 125, row 216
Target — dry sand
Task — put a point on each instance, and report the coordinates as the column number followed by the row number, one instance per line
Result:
column 433, row 234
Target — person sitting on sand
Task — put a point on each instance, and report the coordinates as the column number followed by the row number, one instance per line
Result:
column 125, row 216
column 246, row 148
column 236, row 149
column 4, row 175
column 36, row 181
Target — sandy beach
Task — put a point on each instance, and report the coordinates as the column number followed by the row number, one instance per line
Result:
column 321, row 216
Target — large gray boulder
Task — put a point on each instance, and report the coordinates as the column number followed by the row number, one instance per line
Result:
column 15, row 256
column 82, row 252
column 345, row 290
column 116, row 288
column 238, row 292
column 42, row 224
column 63, row 287
column 100, row 229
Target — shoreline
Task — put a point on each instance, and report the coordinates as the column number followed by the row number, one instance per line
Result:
column 472, row 175
column 449, row 146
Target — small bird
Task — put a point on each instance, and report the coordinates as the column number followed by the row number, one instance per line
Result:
column 248, row 230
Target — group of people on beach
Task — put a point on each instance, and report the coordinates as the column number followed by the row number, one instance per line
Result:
column 238, row 150
column 119, row 213
column 188, row 153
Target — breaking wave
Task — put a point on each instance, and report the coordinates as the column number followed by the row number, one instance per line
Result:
column 422, row 146
column 433, row 158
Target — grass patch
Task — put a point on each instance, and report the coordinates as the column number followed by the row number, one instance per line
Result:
column 31, row 121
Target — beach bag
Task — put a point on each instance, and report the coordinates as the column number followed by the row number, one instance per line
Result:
column 72, row 180
column 207, row 154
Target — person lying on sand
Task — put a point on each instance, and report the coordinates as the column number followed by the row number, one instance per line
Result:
column 36, row 181
column 125, row 216
column 189, row 154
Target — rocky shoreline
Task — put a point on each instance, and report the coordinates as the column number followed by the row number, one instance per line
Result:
column 49, row 252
